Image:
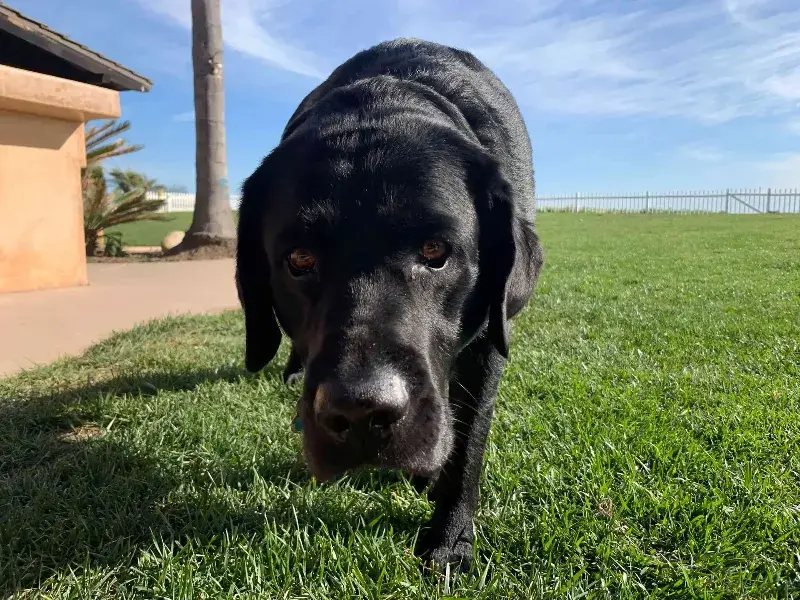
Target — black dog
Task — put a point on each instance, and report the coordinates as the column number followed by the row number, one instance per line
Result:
column 391, row 236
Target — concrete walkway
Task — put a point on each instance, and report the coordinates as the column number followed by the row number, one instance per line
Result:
column 38, row 327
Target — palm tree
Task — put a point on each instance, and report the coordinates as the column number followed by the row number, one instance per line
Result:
column 212, row 222
column 124, row 204
column 128, row 201
column 126, row 181
column 101, row 146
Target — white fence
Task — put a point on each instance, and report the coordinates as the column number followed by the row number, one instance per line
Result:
column 181, row 202
column 734, row 201
column 724, row 201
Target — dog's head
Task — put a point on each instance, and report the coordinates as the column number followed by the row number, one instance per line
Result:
column 381, row 257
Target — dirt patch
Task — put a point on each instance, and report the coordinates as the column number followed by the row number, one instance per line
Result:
column 81, row 434
column 209, row 252
column 128, row 258
column 605, row 507
column 200, row 247
column 215, row 252
column 204, row 250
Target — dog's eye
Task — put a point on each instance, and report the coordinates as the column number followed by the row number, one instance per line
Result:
column 301, row 262
column 434, row 253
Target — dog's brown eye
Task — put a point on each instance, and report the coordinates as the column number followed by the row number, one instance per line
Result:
column 434, row 253
column 301, row 261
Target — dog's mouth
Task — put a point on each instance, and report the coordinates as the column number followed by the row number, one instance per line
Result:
column 418, row 444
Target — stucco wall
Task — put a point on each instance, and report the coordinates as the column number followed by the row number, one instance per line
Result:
column 41, row 218
column 42, row 150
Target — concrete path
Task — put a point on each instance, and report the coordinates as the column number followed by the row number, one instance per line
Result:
column 38, row 327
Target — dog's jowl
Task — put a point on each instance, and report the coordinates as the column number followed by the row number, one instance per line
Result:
column 391, row 236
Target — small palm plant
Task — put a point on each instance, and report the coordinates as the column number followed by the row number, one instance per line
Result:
column 103, row 209
column 127, row 201
column 126, row 181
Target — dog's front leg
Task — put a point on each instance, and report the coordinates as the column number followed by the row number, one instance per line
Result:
column 293, row 371
column 473, row 391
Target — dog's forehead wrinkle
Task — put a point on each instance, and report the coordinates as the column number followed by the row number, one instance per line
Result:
column 382, row 228
column 317, row 210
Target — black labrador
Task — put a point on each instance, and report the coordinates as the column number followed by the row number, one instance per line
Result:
column 391, row 236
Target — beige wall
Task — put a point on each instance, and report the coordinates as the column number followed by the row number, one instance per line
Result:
column 41, row 218
column 42, row 151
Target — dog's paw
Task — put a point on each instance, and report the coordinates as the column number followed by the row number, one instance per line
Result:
column 293, row 379
column 457, row 553
column 458, row 556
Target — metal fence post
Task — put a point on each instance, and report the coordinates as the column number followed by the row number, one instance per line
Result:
column 769, row 198
column 727, row 201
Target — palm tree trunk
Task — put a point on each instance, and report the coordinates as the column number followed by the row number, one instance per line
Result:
column 213, row 218
column 90, row 238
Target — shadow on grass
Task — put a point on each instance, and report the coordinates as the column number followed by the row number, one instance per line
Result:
column 71, row 497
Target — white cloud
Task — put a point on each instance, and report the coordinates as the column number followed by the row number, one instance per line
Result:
column 782, row 171
column 184, row 117
column 744, row 12
column 244, row 30
column 705, row 61
column 590, row 58
column 785, row 86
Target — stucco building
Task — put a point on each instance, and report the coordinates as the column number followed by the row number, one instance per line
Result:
column 50, row 86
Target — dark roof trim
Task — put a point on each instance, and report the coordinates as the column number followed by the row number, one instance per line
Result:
column 113, row 74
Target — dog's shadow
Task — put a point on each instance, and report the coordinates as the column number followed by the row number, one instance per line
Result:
column 70, row 499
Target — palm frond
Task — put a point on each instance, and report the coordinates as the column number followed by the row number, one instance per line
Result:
column 118, row 148
column 95, row 200
column 128, row 201
column 102, row 209
column 99, row 144
column 131, row 207
column 127, row 180
column 96, row 135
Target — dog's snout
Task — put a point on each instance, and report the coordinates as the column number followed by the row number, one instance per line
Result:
column 363, row 411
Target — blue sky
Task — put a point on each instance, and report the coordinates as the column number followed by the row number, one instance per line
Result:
column 618, row 95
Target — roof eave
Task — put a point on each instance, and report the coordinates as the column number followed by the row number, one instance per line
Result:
column 113, row 74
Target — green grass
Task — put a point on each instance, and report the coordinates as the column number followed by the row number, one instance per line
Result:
column 150, row 233
column 647, row 444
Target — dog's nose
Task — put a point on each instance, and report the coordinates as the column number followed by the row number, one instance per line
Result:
column 362, row 411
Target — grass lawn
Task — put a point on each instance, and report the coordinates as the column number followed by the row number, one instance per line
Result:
column 647, row 444
column 150, row 233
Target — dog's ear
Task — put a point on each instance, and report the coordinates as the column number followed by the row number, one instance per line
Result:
column 262, row 333
column 499, row 251
column 509, row 252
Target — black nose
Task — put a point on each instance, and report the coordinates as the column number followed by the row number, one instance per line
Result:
column 362, row 411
